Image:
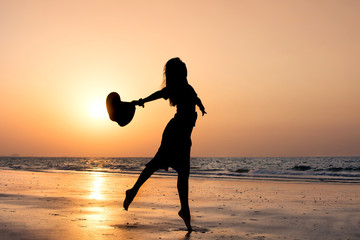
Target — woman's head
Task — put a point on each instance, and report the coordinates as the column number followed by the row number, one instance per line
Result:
column 175, row 73
column 175, row 78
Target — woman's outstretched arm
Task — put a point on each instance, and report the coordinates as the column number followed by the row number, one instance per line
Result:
column 152, row 97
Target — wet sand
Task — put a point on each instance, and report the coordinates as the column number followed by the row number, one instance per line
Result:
column 58, row 205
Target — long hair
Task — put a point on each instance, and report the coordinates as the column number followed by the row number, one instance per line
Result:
column 175, row 78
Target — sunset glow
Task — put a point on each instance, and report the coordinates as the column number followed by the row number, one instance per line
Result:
column 97, row 109
column 277, row 78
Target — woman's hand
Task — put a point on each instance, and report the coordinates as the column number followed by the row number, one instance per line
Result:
column 139, row 102
column 201, row 106
column 203, row 111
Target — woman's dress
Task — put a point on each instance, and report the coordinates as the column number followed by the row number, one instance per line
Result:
column 175, row 147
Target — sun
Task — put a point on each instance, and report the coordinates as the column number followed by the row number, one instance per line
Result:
column 97, row 109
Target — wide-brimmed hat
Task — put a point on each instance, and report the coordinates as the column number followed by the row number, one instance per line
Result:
column 120, row 112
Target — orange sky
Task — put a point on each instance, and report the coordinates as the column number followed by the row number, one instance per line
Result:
column 277, row 78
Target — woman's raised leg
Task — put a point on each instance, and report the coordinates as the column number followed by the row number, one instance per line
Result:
column 131, row 193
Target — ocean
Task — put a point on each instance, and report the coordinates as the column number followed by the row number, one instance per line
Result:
column 334, row 169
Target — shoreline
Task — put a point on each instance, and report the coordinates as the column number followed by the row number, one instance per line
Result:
column 58, row 205
column 162, row 173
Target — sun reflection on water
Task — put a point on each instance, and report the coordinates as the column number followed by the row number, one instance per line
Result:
column 97, row 187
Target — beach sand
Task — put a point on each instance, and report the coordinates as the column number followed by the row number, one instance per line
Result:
column 82, row 205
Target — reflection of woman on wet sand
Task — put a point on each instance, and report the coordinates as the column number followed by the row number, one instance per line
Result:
column 175, row 145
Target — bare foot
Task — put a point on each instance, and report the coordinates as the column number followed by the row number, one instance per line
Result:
column 130, row 194
column 186, row 220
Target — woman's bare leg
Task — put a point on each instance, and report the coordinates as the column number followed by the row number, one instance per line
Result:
column 183, row 189
column 131, row 193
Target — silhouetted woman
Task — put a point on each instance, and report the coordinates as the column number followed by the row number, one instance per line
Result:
column 175, row 145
